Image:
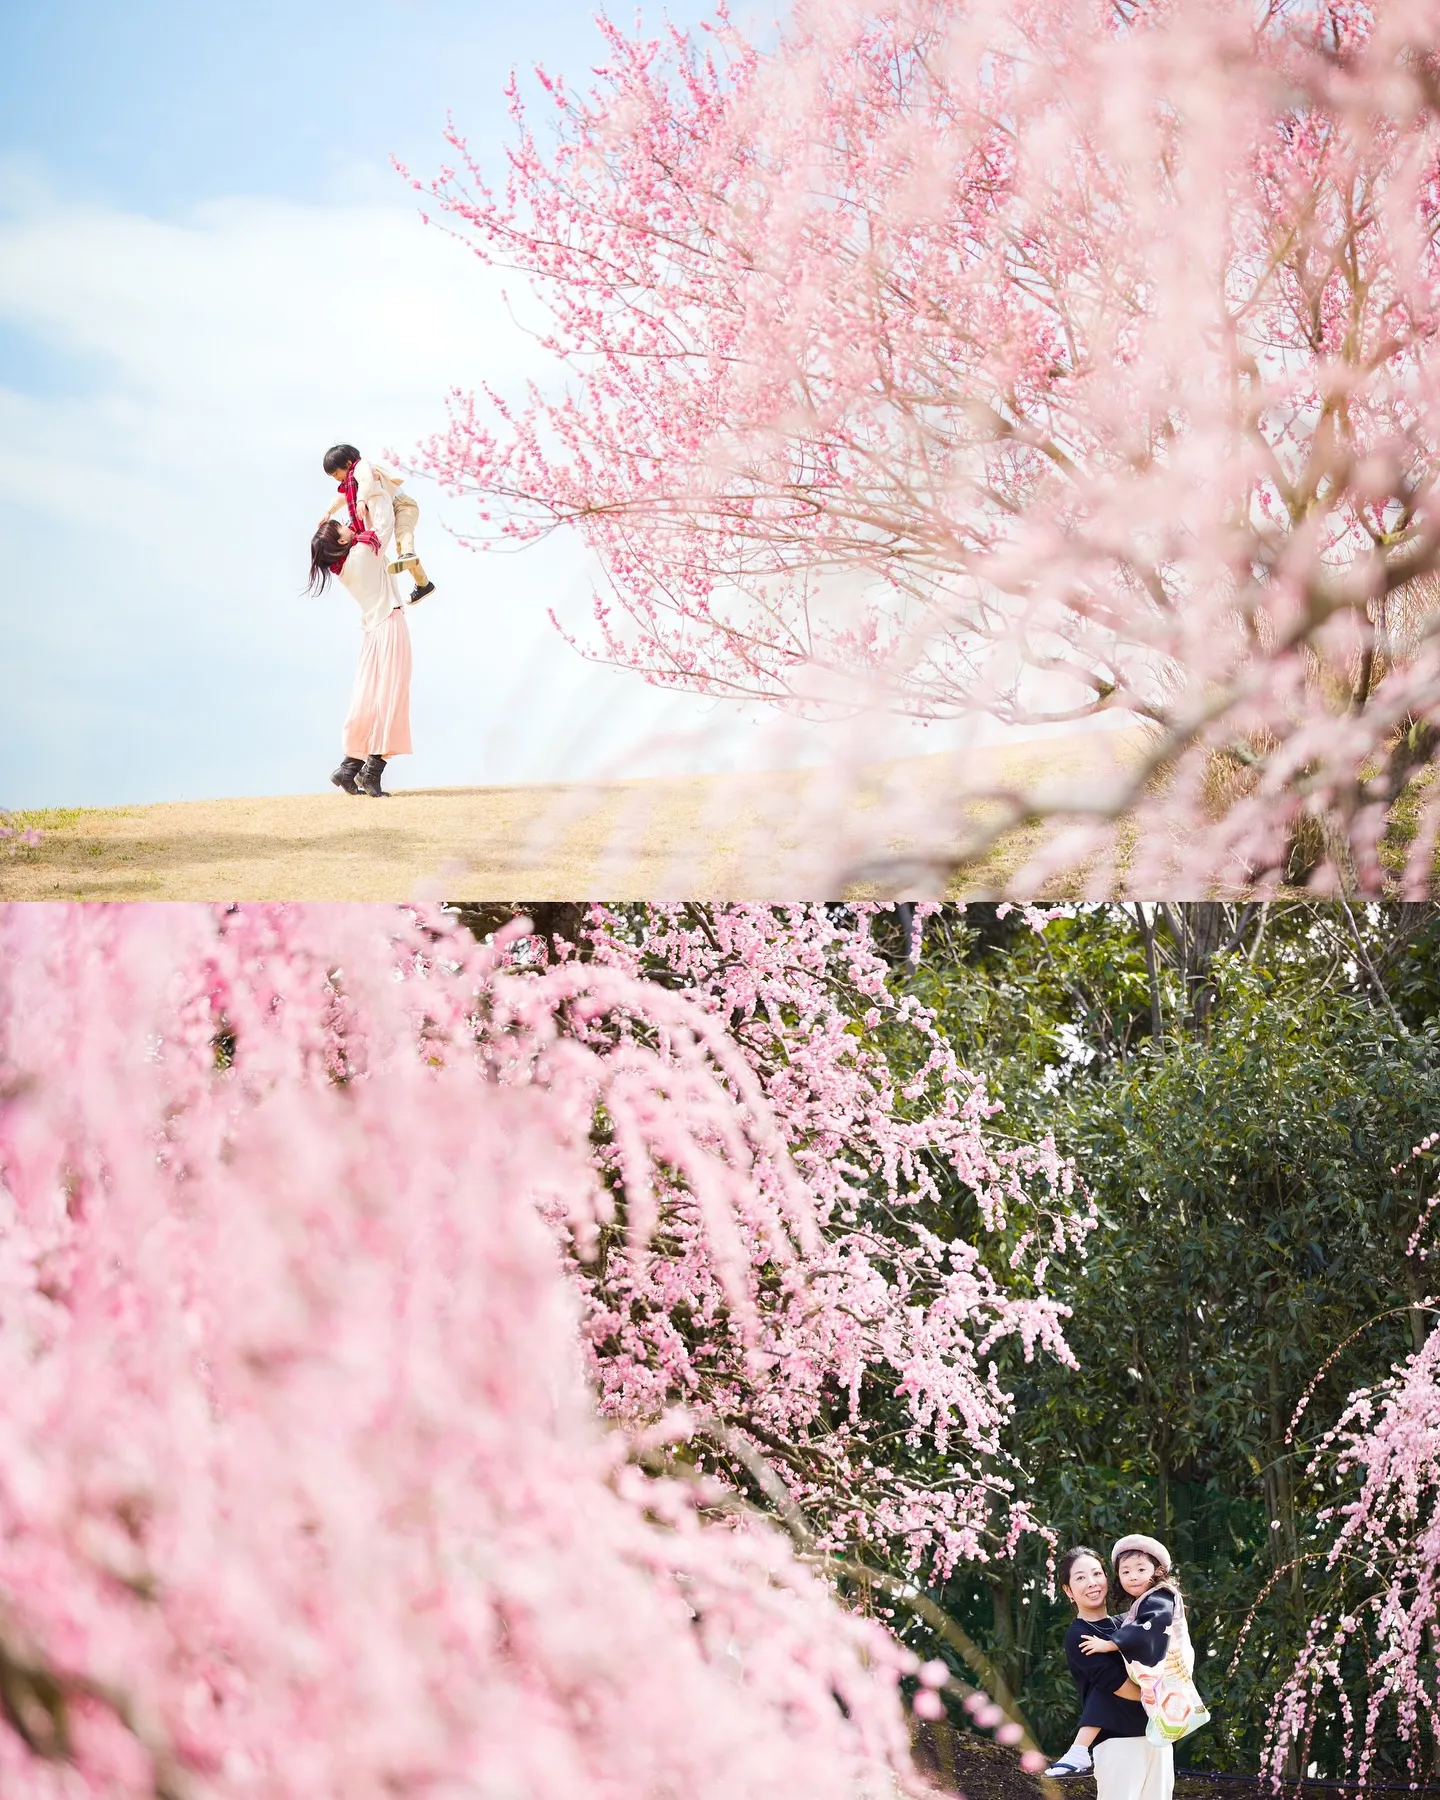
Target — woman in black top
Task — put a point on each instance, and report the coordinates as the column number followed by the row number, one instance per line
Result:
column 1109, row 1700
column 1135, row 1768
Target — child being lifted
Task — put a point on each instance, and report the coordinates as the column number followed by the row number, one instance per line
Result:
column 375, row 504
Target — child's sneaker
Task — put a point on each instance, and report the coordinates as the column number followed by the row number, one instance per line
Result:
column 419, row 593
column 401, row 564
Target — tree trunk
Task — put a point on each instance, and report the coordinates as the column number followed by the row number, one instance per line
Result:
column 1206, row 923
column 1147, row 932
column 1419, row 1317
column 1199, row 929
column 1004, row 1653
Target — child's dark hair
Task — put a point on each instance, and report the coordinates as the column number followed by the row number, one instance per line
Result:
column 327, row 555
column 1067, row 1562
column 340, row 456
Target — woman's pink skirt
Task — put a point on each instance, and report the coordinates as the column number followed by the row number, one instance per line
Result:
column 379, row 719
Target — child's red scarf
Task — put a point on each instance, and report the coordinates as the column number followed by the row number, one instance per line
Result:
column 363, row 535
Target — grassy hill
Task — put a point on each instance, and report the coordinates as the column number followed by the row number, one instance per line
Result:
column 731, row 837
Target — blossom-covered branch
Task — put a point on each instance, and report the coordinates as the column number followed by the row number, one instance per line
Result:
column 302, row 1485
column 862, row 1373
column 1041, row 361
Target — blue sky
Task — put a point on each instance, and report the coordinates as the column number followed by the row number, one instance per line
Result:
column 208, row 272
column 159, row 106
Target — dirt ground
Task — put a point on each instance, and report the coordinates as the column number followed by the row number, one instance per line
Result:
column 966, row 1763
column 723, row 837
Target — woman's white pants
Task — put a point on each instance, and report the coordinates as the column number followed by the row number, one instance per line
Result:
column 1134, row 1769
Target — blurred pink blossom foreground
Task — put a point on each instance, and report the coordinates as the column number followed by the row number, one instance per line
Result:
column 302, row 1491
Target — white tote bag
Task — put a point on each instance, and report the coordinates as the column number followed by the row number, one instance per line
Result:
column 1173, row 1707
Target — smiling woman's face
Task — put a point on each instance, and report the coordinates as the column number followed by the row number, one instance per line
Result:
column 1087, row 1584
column 1137, row 1572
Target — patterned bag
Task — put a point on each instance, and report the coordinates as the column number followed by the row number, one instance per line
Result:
column 1168, row 1693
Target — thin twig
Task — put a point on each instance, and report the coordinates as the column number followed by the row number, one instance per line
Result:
column 1369, row 968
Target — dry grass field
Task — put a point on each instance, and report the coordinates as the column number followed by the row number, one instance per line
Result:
column 723, row 837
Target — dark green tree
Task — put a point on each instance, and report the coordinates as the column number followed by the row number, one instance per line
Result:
column 1236, row 1086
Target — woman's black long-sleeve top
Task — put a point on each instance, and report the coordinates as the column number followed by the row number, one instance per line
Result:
column 1145, row 1638
column 1097, row 1678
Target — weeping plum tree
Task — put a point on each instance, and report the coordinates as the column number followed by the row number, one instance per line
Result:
column 302, row 1485
column 1027, row 358
column 867, row 1385
column 1369, row 1663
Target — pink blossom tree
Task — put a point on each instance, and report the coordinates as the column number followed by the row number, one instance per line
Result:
column 302, row 1487
column 1369, row 1659
column 1026, row 358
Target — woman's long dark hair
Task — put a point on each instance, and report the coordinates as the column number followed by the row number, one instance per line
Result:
column 327, row 555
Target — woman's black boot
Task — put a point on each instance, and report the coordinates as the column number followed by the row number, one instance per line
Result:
column 344, row 776
column 368, row 780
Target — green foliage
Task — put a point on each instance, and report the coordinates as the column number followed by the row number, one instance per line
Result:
column 48, row 818
column 1249, row 1222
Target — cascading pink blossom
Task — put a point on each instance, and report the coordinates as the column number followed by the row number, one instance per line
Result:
column 302, row 1490
column 1385, row 1549
column 1389, row 1539
column 881, row 1296
column 1030, row 358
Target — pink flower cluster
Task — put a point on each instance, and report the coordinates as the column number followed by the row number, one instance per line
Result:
column 16, row 838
